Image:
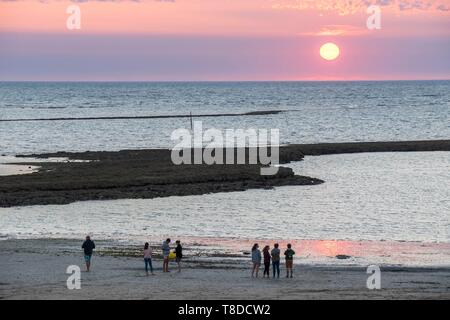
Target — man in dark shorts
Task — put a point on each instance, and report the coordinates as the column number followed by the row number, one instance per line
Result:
column 179, row 254
column 88, row 247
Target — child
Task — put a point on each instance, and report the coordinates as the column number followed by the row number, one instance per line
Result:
column 289, row 253
column 179, row 254
column 266, row 254
column 148, row 258
column 256, row 259
column 166, row 252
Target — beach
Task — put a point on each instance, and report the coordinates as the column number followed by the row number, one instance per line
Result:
column 36, row 269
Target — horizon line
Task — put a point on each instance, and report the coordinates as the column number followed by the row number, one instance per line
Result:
column 218, row 81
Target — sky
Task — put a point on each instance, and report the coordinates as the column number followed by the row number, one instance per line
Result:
column 223, row 40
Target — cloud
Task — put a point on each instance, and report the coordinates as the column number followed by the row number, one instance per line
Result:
column 337, row 30
column 443, row 7
column 83, row 1
column 346, row 7
column 342, row 7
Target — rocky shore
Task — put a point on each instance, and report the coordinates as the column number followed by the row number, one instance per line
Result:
column 151, row 173
column 134, row 174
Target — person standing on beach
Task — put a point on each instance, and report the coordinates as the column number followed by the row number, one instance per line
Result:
column 275, row 253
column 256, row 259
column 289, row 253
column 179, row 254
column 266, row 255
column 166, row 253
column 88, row 247
column 148, row 258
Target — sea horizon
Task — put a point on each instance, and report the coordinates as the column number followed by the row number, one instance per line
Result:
column 229, row 81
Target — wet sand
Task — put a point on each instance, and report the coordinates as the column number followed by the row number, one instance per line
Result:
column 132, row 174
column 36, row 269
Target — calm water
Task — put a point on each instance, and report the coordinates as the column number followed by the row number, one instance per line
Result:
column 320, row 112
column 368, row 196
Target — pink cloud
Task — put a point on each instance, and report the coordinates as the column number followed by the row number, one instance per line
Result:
column 343, row 7
column 338, row 30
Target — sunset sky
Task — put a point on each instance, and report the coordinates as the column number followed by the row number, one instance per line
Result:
column 223, row 40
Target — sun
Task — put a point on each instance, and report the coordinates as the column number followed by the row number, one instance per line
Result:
column 329, row 51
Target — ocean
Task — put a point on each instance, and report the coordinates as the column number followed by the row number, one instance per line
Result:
column 373, row 200
column 316, row 112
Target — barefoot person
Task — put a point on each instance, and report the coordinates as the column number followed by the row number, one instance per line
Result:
column 256, row 259
column 88, row 247
column 289, row 254
column 275, row 253
column 148, row 258
column 266, row 255
column 179, row 254
column 166, row 253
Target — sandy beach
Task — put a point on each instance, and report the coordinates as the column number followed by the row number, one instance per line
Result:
column 35, row 269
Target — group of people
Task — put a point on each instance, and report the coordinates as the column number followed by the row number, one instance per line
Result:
column 274, row 256
column 166, row 254
column 178, row 252
column 88, row 247
column 269, row 256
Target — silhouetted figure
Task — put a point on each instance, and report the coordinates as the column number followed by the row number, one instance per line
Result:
column 266, row 255
column 289, row 253
column 276, row 260
column 166, row 252
column 179, row 254
column 256, row 259
column 88, row 247
column 148, row 258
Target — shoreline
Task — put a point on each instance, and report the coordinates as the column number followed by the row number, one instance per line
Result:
column 150, row 173
column 288, row 153
column 318, row 149
column 235, row 251
column 122, row 277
